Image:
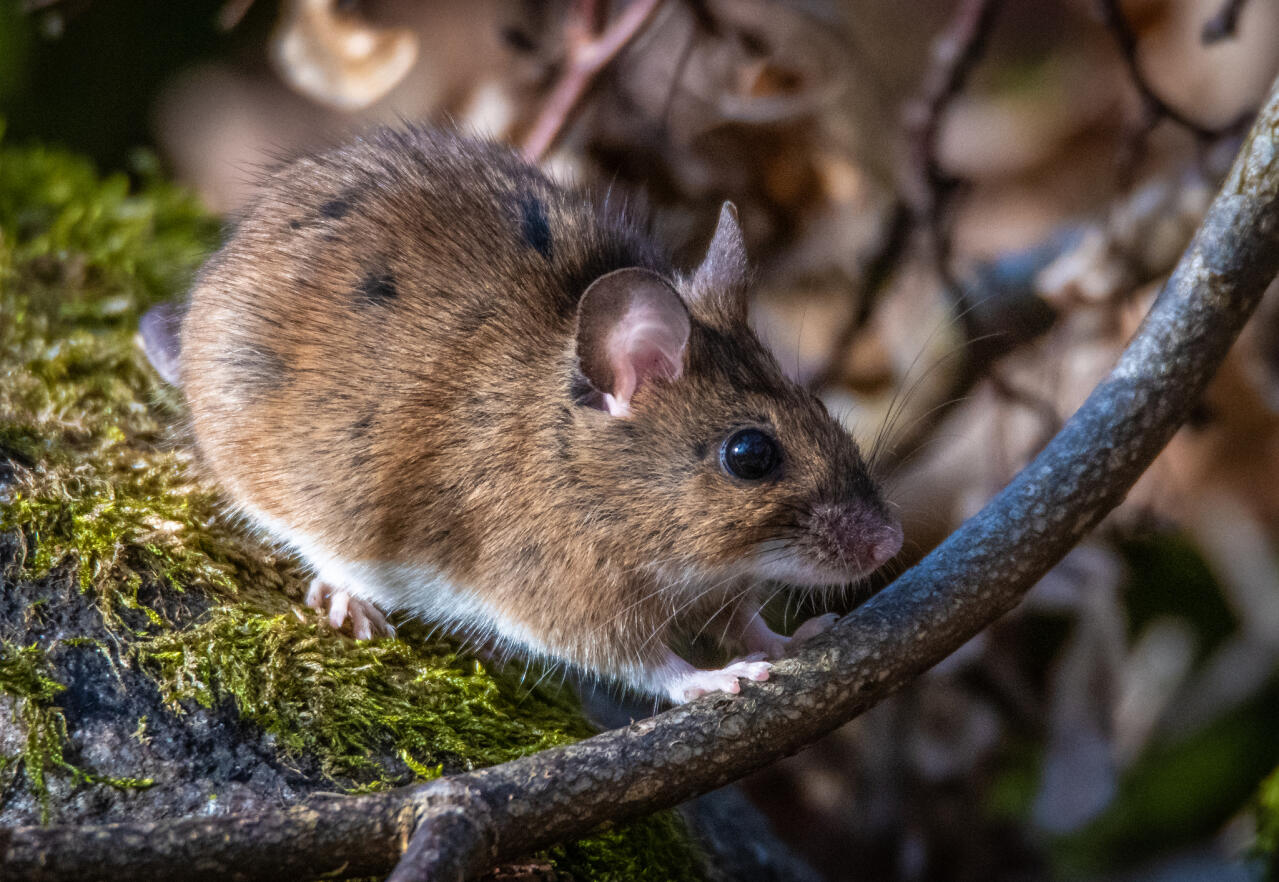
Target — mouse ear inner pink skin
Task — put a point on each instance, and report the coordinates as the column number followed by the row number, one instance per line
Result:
column 631, row 328
column 722, row 280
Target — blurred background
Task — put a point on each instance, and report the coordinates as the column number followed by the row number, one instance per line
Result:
column 959, row 212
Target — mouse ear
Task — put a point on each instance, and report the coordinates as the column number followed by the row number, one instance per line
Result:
column 721, row 280
column 631, row 328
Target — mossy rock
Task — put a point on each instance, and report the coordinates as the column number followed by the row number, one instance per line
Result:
column 154, row 658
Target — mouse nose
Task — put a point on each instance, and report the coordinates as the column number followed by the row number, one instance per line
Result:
column 889, row 542
column 854, row 536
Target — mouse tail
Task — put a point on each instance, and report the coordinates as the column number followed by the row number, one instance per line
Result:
column 161, row 327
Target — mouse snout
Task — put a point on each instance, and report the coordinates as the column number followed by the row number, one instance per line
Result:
column 854, row 536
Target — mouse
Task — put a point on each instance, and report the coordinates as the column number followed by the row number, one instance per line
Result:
column 460, row 391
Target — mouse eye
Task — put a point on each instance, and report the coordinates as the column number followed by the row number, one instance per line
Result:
column 750, row 454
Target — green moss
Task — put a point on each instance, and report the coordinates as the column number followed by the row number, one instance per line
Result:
column 102, row 484
column 329, row 697
column 656, row 847
column 25, row 677
column 1267, row 846
column 80, row 259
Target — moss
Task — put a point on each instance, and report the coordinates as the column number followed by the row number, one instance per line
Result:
column 324, row 695
column 25, row 677
column 656, row 847
column 1267, row 846
column 98, row 480
column 80, row 259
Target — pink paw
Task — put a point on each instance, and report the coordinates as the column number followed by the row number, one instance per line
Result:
column 697, row 683
column 811, row 628
column 336, row 606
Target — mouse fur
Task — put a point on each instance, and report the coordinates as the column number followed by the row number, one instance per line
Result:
column 461, row 391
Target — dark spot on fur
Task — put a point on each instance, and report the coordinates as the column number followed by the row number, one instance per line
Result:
column 473, row 319
column 530, row 556
column 562, row 431
column 295, row 224
column 361, row 426
column 335, row 208
column 377, row 288
column 534, row 226
column 518, row 39
column 699, row 449
column 257, row 368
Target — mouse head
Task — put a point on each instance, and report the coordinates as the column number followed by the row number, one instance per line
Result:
column 712, row 460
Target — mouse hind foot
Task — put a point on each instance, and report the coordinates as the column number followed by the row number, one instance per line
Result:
column 337, row 605
column 680, row 681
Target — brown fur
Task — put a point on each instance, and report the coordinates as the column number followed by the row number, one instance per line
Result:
column 382, row 356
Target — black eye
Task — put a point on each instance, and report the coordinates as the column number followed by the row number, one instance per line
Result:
column 750, row 454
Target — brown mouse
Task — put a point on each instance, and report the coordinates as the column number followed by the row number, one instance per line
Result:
column 461, row 391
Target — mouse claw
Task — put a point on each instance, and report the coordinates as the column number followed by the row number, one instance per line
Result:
column 368, row 622
column 337, row 605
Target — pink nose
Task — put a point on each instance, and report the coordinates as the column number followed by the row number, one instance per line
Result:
column 854, row 536
column 885, row 548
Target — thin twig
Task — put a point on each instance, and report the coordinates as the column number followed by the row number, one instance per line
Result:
column 1041, row 407
column 929, row 189
column 955, row 52
column 878, row 269
column 1224, row 24
column 981, row 572
column 588, row 54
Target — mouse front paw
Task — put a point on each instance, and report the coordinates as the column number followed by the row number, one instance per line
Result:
column 811, row 628
column 336, row 605
column 696, row 683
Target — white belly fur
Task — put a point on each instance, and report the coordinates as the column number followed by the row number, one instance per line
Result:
column 419, row 590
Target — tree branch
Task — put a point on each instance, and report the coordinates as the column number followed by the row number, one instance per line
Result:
column 955, row 52
column 927, row 188
column 451, row 842
column 975, row 576
column 877, row 269
column 587, row 56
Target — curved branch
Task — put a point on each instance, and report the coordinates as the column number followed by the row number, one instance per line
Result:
column 978, row 574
